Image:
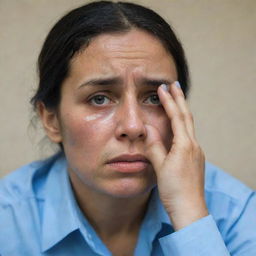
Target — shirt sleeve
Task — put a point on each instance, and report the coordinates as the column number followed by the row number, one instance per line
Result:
column 201, row 238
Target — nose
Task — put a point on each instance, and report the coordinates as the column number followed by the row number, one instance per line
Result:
column 130, row 125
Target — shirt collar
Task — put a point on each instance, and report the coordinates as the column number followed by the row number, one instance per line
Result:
column 155, row 222
column 59, row 211
column 156, row 214
column 61, row 214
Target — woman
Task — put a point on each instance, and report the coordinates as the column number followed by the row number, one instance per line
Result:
column 130, row 177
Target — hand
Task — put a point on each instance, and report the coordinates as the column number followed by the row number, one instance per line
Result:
column 180, row 172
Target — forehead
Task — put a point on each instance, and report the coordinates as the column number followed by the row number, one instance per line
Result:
column 135, row 51
column 135, row 40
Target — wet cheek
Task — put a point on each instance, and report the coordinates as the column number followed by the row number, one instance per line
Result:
column 89, row 130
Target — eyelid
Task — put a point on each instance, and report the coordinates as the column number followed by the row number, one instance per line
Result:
column 152, row 93
column 91, row 97
column 112, row 98
column 97, row 93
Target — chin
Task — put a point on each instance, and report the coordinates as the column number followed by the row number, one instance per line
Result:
column 129, row 189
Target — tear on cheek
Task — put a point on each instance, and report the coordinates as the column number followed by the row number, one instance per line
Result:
column 102, row 117
column 92, row 117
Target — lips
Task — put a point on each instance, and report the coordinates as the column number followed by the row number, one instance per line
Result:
column 127, row 163
column 129, row 158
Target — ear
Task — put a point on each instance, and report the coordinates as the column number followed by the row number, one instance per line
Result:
column 50, row 123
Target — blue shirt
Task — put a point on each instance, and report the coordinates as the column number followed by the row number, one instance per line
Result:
column 40, row 216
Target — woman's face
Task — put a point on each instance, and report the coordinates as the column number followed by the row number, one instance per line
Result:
column 107, row 101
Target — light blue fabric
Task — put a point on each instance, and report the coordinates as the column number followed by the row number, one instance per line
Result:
column 39, row 216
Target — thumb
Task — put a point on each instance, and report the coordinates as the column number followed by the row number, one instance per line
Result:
column 154, row 148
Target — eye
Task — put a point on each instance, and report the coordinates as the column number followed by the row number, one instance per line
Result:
column 153, row 99
column 99, row 100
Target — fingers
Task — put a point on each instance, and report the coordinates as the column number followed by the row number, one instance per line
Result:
column 172, row 111
column 154, row 148
column 182, row 104
column 177, row 110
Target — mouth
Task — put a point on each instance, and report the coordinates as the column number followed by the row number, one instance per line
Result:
column 127, row 163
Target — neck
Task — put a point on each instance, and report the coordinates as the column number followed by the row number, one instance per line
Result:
column 109, row 215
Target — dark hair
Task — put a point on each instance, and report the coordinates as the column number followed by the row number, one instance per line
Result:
column 73, row 32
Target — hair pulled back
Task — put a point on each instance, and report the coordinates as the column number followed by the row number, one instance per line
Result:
column 72, row 33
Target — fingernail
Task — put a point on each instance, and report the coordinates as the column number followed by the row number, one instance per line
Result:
column 177, row 84
column 164, row 87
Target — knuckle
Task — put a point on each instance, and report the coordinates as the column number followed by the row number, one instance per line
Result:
column 198, row 151
column 181, row 116
column 196, row 147
column 190, row 116
column 203, row 156
column 187, row 145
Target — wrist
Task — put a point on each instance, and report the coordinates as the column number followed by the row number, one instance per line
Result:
column 186, row 215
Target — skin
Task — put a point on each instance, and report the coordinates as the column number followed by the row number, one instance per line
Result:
column 127, row 119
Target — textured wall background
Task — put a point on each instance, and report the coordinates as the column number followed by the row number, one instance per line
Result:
column 219, row 37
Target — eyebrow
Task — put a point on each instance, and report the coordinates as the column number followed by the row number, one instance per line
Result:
column 113, row 81
column 155, row 82
column 101, row 82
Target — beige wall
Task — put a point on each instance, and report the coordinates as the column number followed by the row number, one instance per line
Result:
column 220, row 40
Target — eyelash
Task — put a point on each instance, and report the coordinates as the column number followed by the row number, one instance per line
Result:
column 106, row 97
column 154, row 95
column 95, row 96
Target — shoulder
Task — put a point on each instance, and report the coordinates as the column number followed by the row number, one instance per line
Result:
column 218, row 181
column 22, row 197
column 226, row 196
column 22, row 183
column 232, row 205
